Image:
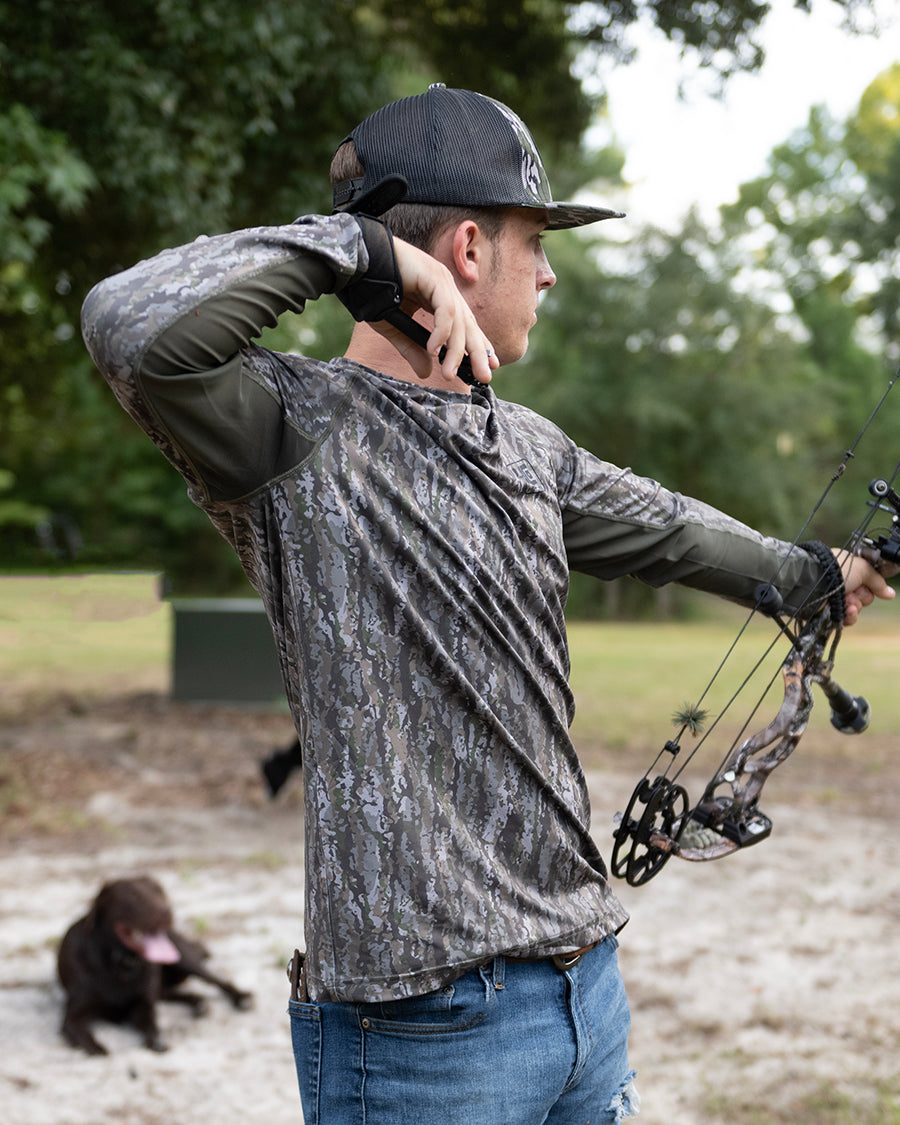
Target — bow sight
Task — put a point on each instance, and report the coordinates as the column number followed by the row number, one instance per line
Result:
column 886, row 546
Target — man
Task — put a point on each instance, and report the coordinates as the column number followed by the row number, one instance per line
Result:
column 411, row 539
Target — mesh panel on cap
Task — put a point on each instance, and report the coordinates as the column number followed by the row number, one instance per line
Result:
column 461, row 148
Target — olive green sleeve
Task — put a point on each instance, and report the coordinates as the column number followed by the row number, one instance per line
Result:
column 173, row 335
column 616, row 523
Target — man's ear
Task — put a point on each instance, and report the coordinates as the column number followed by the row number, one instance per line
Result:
column 468, row 250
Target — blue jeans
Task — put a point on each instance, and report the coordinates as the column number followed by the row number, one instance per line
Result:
column 510, row 1043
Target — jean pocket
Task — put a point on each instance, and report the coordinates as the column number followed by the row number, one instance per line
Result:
column 457, row 1007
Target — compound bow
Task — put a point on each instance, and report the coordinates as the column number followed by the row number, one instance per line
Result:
column 659, row 820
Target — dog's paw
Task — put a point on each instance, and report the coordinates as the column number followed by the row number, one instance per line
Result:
column 243, row 1001
column 82, row 1040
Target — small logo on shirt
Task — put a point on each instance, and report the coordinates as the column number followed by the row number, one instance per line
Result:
column 525, row 473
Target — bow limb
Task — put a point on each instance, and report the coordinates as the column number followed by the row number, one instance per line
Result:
column 728, row 813
column 728, row 817
column 659, row 823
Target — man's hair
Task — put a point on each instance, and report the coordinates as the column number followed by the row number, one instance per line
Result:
column 420, row 224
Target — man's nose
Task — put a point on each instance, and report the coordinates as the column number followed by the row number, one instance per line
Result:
column 546, row 278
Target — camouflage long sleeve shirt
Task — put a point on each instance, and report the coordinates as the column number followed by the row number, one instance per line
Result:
column 412, row 548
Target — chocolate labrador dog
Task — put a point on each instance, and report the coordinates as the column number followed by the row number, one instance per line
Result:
column 123, row 957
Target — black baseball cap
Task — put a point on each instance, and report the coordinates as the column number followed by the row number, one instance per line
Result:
column 453, row 147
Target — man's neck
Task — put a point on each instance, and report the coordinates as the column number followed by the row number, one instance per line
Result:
column 389, row 356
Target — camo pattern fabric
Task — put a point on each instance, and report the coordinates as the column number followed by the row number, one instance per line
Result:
column 410, row 547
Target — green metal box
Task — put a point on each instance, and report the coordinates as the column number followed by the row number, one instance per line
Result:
column 224, row 652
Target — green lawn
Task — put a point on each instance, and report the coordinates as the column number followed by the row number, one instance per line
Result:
column 102, row 632
column 83, row 633
column 630, row 678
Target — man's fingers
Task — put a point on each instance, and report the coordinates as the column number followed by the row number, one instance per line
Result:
column 429, row 285
column 862, row 584
column 457, row 331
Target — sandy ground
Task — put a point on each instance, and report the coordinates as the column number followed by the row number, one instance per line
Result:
column 762, row 986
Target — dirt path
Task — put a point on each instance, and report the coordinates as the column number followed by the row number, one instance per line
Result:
column 764, row 988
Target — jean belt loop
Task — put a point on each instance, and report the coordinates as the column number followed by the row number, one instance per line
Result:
column 499, row 969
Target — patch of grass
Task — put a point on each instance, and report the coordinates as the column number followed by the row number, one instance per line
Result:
column 82, row 633
column 877, row 1103
column 97, row 633
column 266, row 860
column 15, row 798
column 629, row 678
column 23, row 807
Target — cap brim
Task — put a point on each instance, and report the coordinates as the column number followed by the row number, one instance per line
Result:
column 561, row 216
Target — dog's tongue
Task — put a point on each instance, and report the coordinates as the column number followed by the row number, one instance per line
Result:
column 159, row 949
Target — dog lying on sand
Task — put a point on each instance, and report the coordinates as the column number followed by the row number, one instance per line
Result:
column 123, row 957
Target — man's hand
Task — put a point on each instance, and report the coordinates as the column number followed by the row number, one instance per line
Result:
column 862, row 583
column 430, row 286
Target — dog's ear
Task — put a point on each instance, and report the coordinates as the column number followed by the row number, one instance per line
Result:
column 149, row 904
column 95, row 914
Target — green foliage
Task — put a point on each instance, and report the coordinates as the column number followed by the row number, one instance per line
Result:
column 126, row 129
column 17, row 513
column 122, row 131
column 34, row 160
column 660, row 363
column 820, row 232
column 825, row 220
column 37, row 167
column 719, row 36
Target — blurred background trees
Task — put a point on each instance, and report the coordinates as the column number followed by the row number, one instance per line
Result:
column 730, row 362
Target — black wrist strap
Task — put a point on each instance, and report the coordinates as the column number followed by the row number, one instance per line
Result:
column 833, row 577
column 380, row 290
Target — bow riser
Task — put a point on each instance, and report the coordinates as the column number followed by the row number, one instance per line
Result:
column 746, row 769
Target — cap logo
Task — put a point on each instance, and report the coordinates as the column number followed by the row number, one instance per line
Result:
column 534, row 178
column 531, row 175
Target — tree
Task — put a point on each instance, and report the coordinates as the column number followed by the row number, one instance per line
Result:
column 659, row 361
column 825, row 217
column 820, row 235
column 156, row 121
column 124, row 128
